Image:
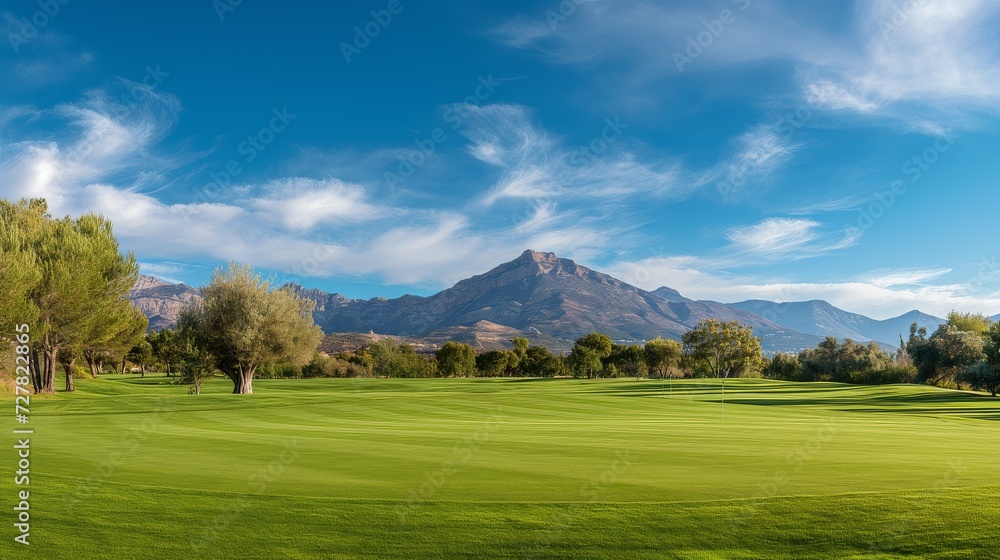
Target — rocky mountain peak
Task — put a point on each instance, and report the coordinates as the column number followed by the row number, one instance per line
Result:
column 145, row 282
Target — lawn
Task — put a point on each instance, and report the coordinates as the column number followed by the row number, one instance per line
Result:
column 508, row 468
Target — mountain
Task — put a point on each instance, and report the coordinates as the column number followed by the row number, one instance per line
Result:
column 889, row 330
column 553, row 301
column 549, row 299
column 819, row 318
column 995, row 318
column 161, row 302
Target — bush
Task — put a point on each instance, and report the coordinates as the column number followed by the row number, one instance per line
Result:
column 329, row 366
column 886, row 376
column 81, row 372
column 279, row 371
column 784, row 367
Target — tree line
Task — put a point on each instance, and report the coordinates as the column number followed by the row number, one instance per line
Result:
column 964, row 352
column 67, row 280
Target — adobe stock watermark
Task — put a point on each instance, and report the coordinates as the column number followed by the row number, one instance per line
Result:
column 562, row 12
column 30, row 27
column 795, row 460
column 365, row 34
column 257, row 483
column 590, row 492
column 455, row 116
column 129, row 443
column 784, row 129
column 902, row 525
column 127, row 102
column 913, row 169
column 224, row 7
column 462, row 453
column 899, row 16
column 250, row 148
column 585, row 155
column 713, row 29
column 987, row 272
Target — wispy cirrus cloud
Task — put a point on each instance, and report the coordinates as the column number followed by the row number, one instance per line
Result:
column 756, row 156
column 788, row 238
column 890, row 278
column 775, row 236
column 536, row 165
column 645, row 35
column 931, row 54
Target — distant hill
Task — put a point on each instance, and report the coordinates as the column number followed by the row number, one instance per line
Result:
column 161, row 302
column 823, row 319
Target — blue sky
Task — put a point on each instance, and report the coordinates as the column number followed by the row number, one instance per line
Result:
column 730, row 149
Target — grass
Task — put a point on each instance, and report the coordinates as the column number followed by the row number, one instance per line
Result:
column 433, row 468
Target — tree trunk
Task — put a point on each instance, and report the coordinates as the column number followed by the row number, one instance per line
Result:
column 36, row 371
column 123, row 364
column 68, row 367
column 243, row 381
column 91, row 363
column 46, row 383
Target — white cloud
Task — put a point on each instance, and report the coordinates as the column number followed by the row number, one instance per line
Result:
column 775, row 236
column 301, row 203
column 788, row 238
column 646, row 34
column 757, row 155
column 935, row 53
column 536, row 166
column 836, row 96
column 890, row 278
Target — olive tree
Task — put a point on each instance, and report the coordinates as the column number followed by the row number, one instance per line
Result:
column 727, row 349
column 244, row 323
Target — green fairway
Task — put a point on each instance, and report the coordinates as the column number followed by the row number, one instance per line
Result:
column 509, row 468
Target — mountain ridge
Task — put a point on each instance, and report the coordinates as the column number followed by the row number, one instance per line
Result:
column 553, row 300
column 818, row 317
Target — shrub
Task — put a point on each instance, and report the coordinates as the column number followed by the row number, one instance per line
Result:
column 329, row 366
column 886, row 376
column 279, row 371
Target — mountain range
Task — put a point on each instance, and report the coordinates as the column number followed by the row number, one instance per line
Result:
column 822, row 319
column 553, row 301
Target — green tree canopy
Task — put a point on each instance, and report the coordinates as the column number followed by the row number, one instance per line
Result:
column 835, row 361
column 66, row 277
column 969, row 322
column 586, row 359
column 456, row 359
column 497, row 363
column 662, row 355
column 944, row 354
column 726, row 349
column 244, row 323
column 390, row 359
